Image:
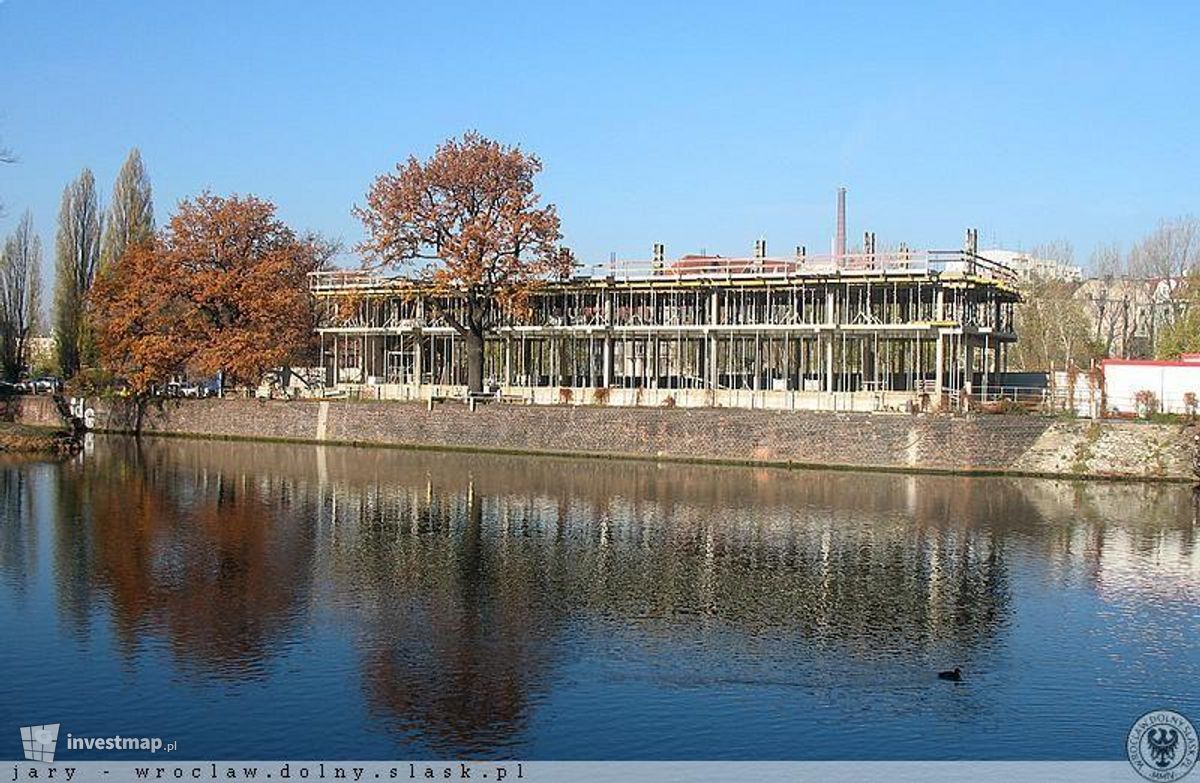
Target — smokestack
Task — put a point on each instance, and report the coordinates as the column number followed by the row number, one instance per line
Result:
column 839, row 245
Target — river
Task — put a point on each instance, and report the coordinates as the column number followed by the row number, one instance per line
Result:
column 258, row 601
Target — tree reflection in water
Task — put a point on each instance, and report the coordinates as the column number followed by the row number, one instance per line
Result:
column 18, row 534
column 218, row 560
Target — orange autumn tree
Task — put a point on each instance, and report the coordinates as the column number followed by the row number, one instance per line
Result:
column 222, row 288
column 470, row 225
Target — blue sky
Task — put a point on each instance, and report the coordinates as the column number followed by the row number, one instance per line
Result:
column 700, row 125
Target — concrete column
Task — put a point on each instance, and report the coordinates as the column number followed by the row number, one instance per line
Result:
column 607, row 380
column 714, row 312
column 607, row 369
column 827, row 341
column 713, row 371
column 801, row 362
column 652, row 360
column 564, row 365
column 939, row 361
column 325, row 369
column 418, row 370
column 757, row 362
column 987, row 367
column 379, row 357
column 870, row 373
column 968, row 364
column 337, row 375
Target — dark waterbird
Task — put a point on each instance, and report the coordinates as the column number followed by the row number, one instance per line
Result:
column 955, row 675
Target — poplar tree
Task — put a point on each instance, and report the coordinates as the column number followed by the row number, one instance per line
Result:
column 77, row 254
column 20, row 295
column 33, row 302
column 131, row 212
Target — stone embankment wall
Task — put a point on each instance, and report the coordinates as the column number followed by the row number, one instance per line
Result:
column 35, row 411
column 976, row 444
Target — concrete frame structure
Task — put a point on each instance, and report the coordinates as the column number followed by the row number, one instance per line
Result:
column 861, row 331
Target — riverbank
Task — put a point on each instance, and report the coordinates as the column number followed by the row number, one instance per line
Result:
column 36, row 439
column 983, row 444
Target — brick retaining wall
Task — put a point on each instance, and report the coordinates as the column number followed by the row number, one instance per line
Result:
column 1004, row 444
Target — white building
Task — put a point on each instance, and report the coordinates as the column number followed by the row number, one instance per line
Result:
column 1029, row 267
column 1134, row 385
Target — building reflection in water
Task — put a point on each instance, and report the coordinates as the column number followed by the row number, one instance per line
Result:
column 464, row 580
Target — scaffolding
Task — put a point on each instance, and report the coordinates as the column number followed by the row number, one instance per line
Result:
column 848, row 331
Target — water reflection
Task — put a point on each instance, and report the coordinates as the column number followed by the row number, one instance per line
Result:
column 469, row 585
column 459, row 630
column 18, row 535
column 218, row 561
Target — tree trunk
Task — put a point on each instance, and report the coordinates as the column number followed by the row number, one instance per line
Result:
column 474, row 342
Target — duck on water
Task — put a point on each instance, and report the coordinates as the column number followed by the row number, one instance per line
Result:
column 954, row 674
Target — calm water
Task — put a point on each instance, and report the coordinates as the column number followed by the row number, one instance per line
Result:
column 270, row 601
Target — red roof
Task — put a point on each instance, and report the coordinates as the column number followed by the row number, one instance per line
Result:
column 1185, row 360
column 698, row 263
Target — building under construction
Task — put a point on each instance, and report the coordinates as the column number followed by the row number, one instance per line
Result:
column 860, row 330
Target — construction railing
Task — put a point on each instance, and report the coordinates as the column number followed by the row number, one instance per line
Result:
column 919, row 262
column 909, row 262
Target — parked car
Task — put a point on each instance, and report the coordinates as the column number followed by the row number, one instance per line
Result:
column 196, row 390
column 46, row 385
column 187, row 389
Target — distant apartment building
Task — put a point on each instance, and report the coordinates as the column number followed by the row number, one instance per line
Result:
column 1129, row 313
column 1029, row 267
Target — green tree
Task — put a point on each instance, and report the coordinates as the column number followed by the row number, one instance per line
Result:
column 1182, row 334
column 131, row 212
column 77, row 253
